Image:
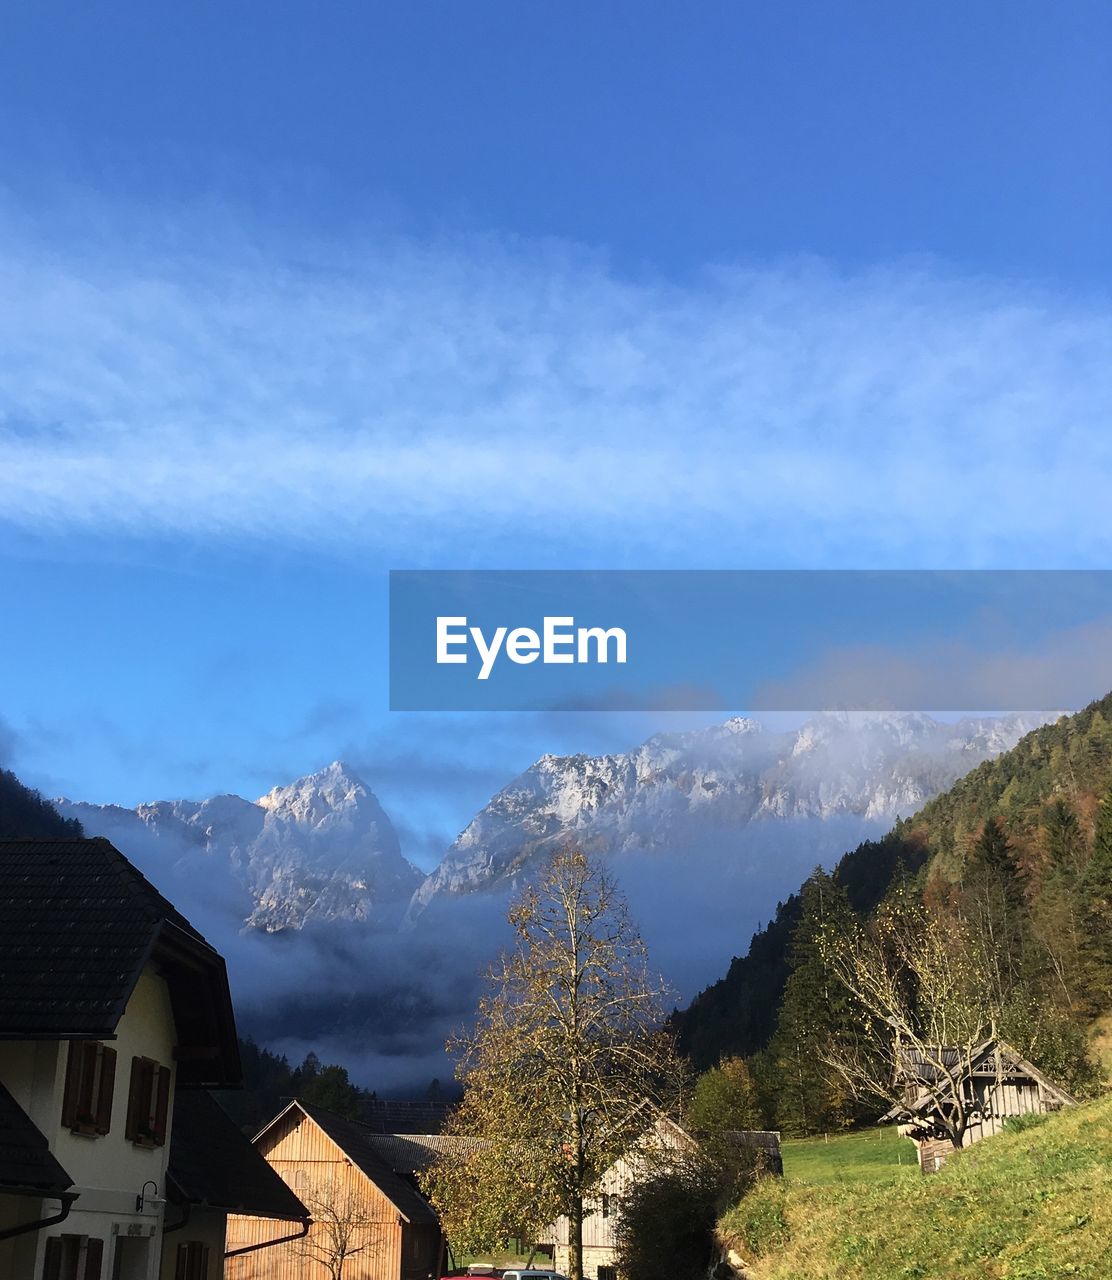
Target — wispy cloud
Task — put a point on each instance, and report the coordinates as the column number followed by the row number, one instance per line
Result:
column 485, row 397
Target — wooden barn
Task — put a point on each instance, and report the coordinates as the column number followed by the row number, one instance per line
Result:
column 995, row 1082
column 362, row 1208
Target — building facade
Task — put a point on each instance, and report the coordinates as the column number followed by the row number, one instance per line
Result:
column 111, row 1007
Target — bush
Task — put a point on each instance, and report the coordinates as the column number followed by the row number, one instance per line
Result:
column 666, row 1228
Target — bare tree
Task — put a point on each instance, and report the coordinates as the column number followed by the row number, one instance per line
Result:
column 927, row 1006
column 343, row 1224
column 566, row 1070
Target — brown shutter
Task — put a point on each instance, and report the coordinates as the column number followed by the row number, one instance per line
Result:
column 134, row 1100
column 162, row 1104
column 103, row 1110
column 202, row 1262
column 52, row 1259
column 94, row 1255
column 73, row 1087
column 181, row 1265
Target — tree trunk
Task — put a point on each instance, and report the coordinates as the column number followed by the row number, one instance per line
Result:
column 575, row 1240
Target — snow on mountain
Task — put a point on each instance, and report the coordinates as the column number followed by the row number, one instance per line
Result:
column 321, row 848
column 682, row 794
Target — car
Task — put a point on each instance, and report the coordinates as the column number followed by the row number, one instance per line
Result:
column 532, row 1273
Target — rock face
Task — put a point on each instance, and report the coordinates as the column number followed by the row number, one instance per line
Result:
column 689, row 790
column 692, row 811
column 319, row 849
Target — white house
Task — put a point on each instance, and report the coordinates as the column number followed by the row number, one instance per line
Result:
column 602, row 1214
column 111, row 1004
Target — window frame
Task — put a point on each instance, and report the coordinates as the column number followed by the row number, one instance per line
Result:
column 148, row 1102
column 89, row 1088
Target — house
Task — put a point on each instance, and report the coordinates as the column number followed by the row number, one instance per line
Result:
column 601, row 1216
column 986, row 1085
column 115, row 1014
column 361, row 1205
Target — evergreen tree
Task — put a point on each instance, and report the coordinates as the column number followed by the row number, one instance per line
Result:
column 816, row 1010
column 1056, row 923
column 994, row 905
column 1095, row 905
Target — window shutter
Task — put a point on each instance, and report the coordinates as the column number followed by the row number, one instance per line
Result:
column 162, row 1104
column 94, row 1255
column 136, row 1104
column 181, row 1266
column 130, row 1128
column 52, row 1259
column 72, row 1090
column 103, row 1112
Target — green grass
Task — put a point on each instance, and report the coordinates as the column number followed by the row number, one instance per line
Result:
column 1034, row 1204
column 847, row 1157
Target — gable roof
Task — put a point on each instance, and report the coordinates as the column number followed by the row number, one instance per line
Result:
column 352, row 1138
column 78, row 923
column 992, row 1059
column 27, row 1165
column 213, row 1164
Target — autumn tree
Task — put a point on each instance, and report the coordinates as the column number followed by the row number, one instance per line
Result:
column 724, row 1098
column 565, row 1071
column 927, row 998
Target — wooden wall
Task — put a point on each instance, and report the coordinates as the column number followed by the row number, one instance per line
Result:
column 307, row 1159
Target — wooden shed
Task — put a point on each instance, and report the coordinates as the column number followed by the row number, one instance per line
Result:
column 996, row 1083
column 386, row 1229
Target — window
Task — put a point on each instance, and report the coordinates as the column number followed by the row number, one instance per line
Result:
column 608, row 1273
column 606, row 1206
column 72, row 1258
column 192, row 1261
column 148, row 1102
column 90, row 1076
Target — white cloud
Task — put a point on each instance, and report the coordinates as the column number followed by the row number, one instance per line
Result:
column 470, row 399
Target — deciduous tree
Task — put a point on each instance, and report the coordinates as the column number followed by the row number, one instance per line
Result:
column 566, row 1070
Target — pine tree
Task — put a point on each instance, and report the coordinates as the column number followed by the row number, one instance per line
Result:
column 994, row 905
column 1056, row 922
column 816, row 1010
column 1095, row 901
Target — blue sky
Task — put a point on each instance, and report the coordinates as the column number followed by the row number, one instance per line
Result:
column 291, row 295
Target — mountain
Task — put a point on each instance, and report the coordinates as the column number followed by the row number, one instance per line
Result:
column 321, row 848
column 731, row 788
column 1067, row 762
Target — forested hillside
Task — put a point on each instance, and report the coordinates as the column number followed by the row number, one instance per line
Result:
column 1009, row 873
column 25, row 815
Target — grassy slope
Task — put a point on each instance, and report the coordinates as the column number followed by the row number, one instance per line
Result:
column 865, row 1154
column 1030, row 1205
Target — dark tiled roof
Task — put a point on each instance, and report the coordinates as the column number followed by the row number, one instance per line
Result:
column 77, row 924
column 212, row 1163
column 352, row 1139
column 26, row 1163
column 387, row 1115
